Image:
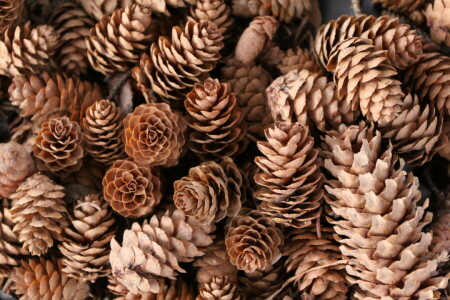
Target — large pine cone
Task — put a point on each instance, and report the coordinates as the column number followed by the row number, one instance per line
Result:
column 154, row 135
column 100, row 8
column 39, row 213
column 437, row 19
column 220, row 288
column 132, row 190
column 298, row 59
column 12, row 12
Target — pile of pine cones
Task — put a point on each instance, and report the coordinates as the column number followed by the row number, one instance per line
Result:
column 224, row 150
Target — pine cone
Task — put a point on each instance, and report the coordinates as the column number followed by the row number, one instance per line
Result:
column 299, row 59
column 438, row 22
column 154, row 135
column 12, row 12
column 131, row 190
column 411, row 8
column 57, row 148
column 215, row 120
column 102, row 128
column 116, row 42
column 16, row 165
column 39, row 213
column 220, row 288
column 253, row 241
column 289, row 187
column 368, row 82
column 100, row 8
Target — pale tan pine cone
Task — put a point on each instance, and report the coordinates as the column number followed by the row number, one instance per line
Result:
column 220, row 288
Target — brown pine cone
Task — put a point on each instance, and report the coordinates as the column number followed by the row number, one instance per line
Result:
column 132, row 190
column 39, row 213
column 102, row 128
column 16, row 165
column 100, row 8
column 290, row 188
column 220, row 288
column 12, row 12
column 154, row 135
column 116, row 42
column 216, row 122
column 252, row 241
column 58, row 147
column 437, row 15
column 299, row 59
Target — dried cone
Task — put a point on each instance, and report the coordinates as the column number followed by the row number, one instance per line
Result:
column 290, row 185
column 220, row 288
column 102, row 128
column 16, row 165
column 438, row 15
column 364, row 77
column 12, row 12
column 154, row 135
column 132, row 190
column 298, row 59
column 39, row 213
column 100, row 8
column 410, row 8
column 441, row 233
column 377, row 218
column 215, row 120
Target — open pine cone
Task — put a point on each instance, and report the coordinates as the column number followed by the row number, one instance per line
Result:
column 220, row 288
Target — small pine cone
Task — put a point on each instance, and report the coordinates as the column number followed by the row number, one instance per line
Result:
column 154, row 135
column 58, row 147
column 220, row 288
column 85, row 246
column 39, row 278
column 215, row 120
column 437, row 18
column 441, row 233
column 299, row 59
column 253, row 241
column 367, row 81
column 290, row 189
column 12, row 12
column 175, row 65
column 132, row 190
column 116, row 42
column 16, row 165
column 102, row 128
column 39, row 213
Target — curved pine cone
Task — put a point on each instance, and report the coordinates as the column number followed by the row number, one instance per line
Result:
column 132, row 190
column 12, row 12
column 154, row 135
column 220, row 288
column 100, row 8
column 299, row 59
column 437, row 18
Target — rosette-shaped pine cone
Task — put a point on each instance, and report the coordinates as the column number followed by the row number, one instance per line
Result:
column 290, row 185
column 58, row 147
column 298, row 59
column 220, row 288
column 40, row 278
column 175, row 65
column 100, row 8
column 116, row 42
column 253, row 241
column 415, row 132
column 216, row 122
column 364, row 77
column 16, row 165
column 39, row 213
column 377, row 218
column 132, row 190
column 154, row 135
column 437, row 15
column 102, row 128
column 12, row 12
column 402, row 44
column 441, row 233
column 85, row 246
column 211, row 192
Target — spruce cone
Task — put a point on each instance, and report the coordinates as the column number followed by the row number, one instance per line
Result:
column 220, row 288
column 85, row 247
column 131, row 190
column 154, row 135
column 16, row 165
column 39, row 213
column 102, row 129
column 298, row 59
column 364, row 77
column 12, row 12
column 437, row 15
column 253, row 241
column 290, row 184
column 217, row 128
column 57, row 148
column 116, row 42
column 100, row 8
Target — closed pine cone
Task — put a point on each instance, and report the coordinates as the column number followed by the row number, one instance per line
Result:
column 220, row 288
column 290, row 185
column 12, row 12
column 100, row 8
column 154, row 135
column 39, row 213
column 299, row 59
column 216, row 122
column 131, row 189
column 16, row 165
column 438, row 19
column 102, row 128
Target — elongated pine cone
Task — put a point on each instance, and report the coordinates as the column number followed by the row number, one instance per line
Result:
column 364, row 77
column 16, row 165
column 253, row 241
column 437, row 14
column 116, row 42
column 299, row 59
column 154, row 135
column 85, row 246
column 132, row 190
column 216, row 122
column 12, row 12
column 290, row 185
column 97, row 9
column 220, row 288
column 377, row 218
column 102, row 130
column 39, row 213
column 40, row 278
